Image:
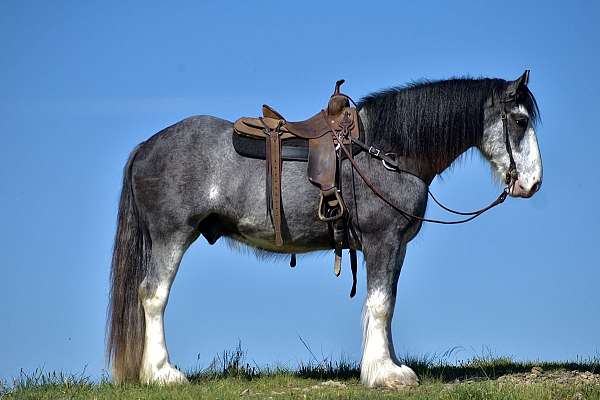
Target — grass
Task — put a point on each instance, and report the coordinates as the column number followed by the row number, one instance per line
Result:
column 229, row 376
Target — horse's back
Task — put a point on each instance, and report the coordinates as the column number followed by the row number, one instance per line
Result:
column 190, row 135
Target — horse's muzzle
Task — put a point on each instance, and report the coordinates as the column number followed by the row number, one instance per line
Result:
column 525, row 189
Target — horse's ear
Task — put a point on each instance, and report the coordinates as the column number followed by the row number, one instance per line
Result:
column 515, row 86
column 523, row 79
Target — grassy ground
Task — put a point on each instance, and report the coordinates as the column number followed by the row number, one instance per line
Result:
column 289, row 387
column 229, row 377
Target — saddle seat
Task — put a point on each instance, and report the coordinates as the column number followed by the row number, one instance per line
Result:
column 313, row 128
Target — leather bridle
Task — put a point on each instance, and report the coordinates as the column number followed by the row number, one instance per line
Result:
column 391, row 164
column 512, row 174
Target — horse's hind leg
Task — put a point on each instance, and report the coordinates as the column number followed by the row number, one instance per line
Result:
column 379, row 365
column 154, row 294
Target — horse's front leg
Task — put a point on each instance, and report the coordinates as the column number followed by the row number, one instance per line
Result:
column 379, row 365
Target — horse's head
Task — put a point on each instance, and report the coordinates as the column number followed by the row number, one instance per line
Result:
column 509, row 127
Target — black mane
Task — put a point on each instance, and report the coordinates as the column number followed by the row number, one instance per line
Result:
column 435, row 120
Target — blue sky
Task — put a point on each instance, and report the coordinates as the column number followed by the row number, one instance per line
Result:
column 82, row 84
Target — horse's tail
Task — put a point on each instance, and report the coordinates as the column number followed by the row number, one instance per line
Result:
column 126, row 326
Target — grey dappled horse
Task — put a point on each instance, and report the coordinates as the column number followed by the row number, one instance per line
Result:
column 187, row 181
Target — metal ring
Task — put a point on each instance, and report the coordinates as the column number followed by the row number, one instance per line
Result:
column 388, row 166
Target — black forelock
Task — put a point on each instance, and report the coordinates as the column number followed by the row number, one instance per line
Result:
column 530, row 103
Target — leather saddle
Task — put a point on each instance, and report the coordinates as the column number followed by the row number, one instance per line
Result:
column 322, row 132
column 315, row 140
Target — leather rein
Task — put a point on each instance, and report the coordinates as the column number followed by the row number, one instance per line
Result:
column 391, row 164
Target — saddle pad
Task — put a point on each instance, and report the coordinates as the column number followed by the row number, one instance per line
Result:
column 291, row 150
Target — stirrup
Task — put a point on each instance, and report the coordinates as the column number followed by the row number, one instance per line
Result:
column 336, row 204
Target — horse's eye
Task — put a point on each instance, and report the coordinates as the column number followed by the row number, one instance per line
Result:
column 522, row 122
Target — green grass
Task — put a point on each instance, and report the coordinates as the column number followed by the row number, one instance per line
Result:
column 293, row 387
column 230, row 377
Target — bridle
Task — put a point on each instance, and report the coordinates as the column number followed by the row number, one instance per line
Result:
column 390, row 163
column 512, row 174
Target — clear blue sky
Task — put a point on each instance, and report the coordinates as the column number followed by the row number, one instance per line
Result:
column 82, row 84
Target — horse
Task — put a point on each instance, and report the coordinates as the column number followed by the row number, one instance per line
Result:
column 187, row 180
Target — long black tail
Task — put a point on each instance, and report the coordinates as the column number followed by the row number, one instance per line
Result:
column 131, row 255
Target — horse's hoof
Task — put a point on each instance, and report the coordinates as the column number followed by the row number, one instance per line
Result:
column 401, row 377
column 389, row 375
column 165, row 376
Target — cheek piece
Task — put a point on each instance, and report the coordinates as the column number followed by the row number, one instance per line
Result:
column 508, row 101
column 512, row 174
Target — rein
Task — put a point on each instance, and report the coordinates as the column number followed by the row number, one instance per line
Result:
column 392, row 165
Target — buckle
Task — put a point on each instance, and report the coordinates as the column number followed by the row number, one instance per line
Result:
column 511, row 175
column 374, row 151
column 388, row 166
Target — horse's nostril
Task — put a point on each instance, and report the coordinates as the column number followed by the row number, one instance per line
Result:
column 535, row 187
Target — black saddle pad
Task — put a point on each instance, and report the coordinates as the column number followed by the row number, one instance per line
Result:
column 291, row 149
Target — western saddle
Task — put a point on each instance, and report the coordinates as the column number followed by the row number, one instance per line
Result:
column 322, row 134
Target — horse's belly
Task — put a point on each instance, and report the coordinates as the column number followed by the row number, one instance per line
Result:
column 301, row 235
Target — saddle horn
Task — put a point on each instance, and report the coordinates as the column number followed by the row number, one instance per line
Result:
column 337, row 87
column 338, row 101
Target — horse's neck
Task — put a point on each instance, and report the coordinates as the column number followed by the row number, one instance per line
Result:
column 420, row 166
column 451, row 159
